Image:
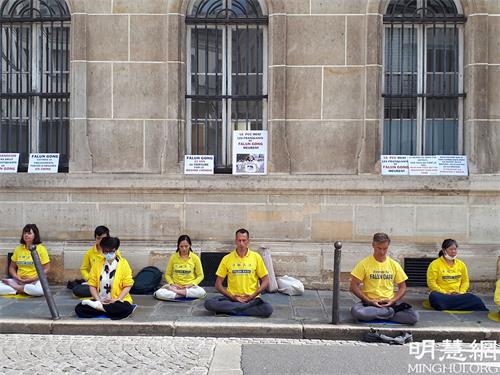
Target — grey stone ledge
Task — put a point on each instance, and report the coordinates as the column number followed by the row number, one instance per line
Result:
column 319, row 184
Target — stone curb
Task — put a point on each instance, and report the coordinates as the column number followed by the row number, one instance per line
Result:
column 234, row 329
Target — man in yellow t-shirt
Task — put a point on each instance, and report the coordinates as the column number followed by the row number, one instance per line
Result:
column 243, row 269
column 497, row 294
column 373, row 280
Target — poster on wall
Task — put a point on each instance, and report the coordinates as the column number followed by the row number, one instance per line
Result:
column 453, row 165
column 198, row 164
column 423, row 166
column 9, row 163
column 43, row 163
column 250, row 152
column 394, row 165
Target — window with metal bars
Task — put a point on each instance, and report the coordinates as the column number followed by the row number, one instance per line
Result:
column 423, row 78
column 227, row 75
column 34, row 84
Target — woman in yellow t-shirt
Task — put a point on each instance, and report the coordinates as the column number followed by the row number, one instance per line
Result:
column 22, row 269
column 184, row 273
column 448, row 280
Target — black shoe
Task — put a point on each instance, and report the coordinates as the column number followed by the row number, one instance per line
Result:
column 401, row 307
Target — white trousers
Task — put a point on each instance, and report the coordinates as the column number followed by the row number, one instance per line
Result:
column 34, row 289
column 191, row 292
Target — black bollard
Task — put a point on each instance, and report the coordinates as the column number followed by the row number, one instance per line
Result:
column 336, row 282
column 45, row 283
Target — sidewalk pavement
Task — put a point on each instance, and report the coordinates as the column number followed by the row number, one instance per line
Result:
column 298, row 317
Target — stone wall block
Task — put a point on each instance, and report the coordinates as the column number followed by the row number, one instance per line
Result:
column 78, row 37
column 109, row 139
column 369, row 155
column 228, row 218
column 277, row 37
column 483, row 224
column 173, row 147
column 486, row 145
column 393, row 220
column 140, row 6
column 441, row 219
column 99, row 90
column 477, row 86
column 78, row 98
column 148, row 38
column 154, row 145
column 476, row 45
column 374, row 37
column 176, row 90
column 338, row 6
column 11, row 219
column 276, row 221
column 493, row 97
column 62, row 221
column 107, row 38
column 324, row 147
column 298, row 82
column 297, row 6
column 80, row 158
column 350, row 82
column 176, row 36
column 135, row 221
column 356, row 40
column 313, row 40
column 374, row 100
column 277, row 92
column 140, row 91
column 279, row 156
column 95, row 6
column 333, row 223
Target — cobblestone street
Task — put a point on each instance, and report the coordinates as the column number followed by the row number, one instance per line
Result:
column 40, row 354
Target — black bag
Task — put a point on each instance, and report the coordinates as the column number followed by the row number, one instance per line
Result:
column 146, row 281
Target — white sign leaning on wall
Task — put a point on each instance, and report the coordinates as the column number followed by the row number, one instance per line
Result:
column 43, row 163
column 9, row 163
column 198, row 164
column 424, row 165
column 250, row 152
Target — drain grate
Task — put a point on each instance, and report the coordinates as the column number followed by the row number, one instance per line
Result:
column 416, row 270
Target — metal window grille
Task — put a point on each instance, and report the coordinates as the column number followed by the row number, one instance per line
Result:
column 416, row 270
column 34, row 84
column 423, row 90
column 227, row 77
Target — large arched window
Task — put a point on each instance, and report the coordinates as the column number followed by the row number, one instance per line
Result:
column 227, row 75
column 34, row 84
column 423, row 70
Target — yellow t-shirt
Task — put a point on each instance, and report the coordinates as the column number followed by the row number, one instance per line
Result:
column 184, row 271
column 497, row 294
column 443, row 278
column 24, row 261
column 242, row 274
column 379, row 277
column 92, row 256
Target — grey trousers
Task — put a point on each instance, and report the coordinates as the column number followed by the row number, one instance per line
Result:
column 362, row 312
column 222, row 304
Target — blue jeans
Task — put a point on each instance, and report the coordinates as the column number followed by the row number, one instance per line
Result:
column 467, row 301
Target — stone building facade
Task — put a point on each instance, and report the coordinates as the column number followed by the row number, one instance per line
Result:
column 324, row 111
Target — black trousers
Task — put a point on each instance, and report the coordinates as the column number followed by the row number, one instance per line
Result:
column 115, row 311
column 82, row 290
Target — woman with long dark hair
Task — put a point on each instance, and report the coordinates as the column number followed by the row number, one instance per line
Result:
column 24, row 278
column 184, row 273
